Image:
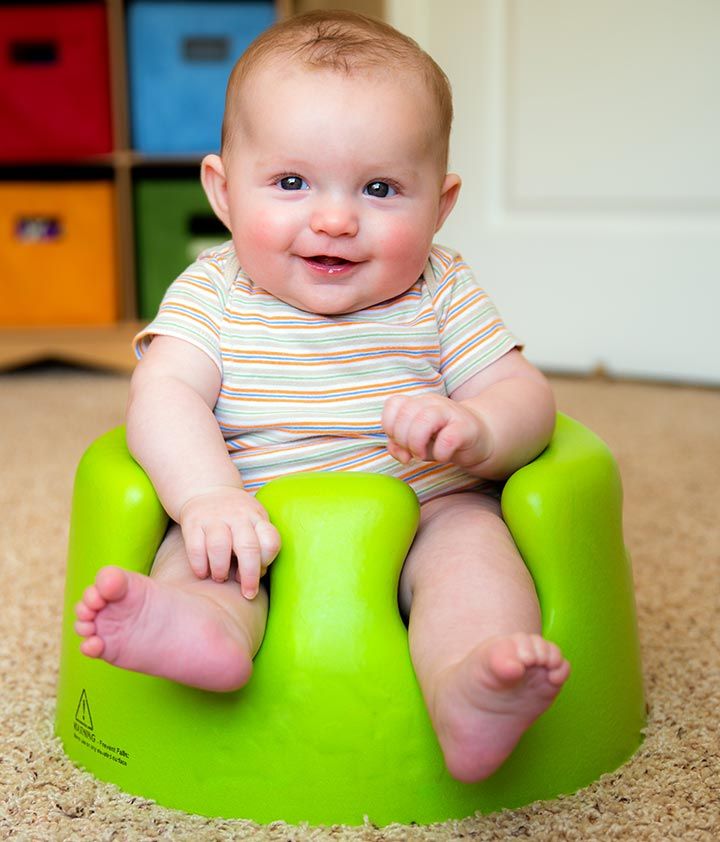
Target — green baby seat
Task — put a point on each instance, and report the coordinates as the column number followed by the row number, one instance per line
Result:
column 332, row 728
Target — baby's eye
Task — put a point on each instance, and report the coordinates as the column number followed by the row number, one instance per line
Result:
column 379, row 189
column 292, row 182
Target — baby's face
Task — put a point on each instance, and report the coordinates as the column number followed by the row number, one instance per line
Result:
column 334, row 186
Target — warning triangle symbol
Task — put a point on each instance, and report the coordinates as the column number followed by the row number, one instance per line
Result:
column 82, row 714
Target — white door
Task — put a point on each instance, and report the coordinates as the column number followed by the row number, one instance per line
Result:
column 587, row 134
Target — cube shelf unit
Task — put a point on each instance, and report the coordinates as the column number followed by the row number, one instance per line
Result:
column 104, row 345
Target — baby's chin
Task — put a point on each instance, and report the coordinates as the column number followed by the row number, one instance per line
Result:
column 326, row 310
column 329, row 306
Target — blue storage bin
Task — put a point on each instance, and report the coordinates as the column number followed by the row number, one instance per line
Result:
column 180, row 55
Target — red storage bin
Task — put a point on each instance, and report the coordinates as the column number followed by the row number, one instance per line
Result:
column 54, row 82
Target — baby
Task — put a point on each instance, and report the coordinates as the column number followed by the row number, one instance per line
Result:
column 331, row 334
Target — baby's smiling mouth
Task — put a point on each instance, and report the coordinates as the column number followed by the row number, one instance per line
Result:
column 328, row 260
column 328, row 264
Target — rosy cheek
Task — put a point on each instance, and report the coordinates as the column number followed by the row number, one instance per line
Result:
column 266, row 230
column 402, row 241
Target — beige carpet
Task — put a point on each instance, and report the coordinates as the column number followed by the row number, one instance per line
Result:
column 667, row 441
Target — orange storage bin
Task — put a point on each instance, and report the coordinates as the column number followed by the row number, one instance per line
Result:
column 57, row 253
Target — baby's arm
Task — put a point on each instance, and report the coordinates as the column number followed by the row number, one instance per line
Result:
column 495, row 423
column 173, row 434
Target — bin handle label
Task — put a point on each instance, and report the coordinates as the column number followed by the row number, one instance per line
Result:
column 206, row 48
column 38, row 229
column 34, row 52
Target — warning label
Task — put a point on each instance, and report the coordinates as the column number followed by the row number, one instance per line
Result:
column 85, row 733
column 82, row 714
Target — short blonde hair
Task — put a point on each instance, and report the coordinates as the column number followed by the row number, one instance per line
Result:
column 342, row 42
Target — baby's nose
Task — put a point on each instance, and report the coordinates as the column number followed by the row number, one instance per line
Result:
column 334, row 218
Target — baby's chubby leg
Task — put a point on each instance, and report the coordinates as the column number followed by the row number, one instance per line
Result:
column 198, row 632
column 484, row 668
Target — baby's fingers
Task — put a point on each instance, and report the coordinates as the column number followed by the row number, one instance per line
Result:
column 397, row 452
column 397, row 419
column 412, row 427
column 195, row 547
column 269, row 540
column 423, row 428
column 451, row 439
column 219, row 543
column 249, row 559
column 390, row 413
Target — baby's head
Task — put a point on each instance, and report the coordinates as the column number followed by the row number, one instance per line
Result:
column 333, row 172
column 351, row 45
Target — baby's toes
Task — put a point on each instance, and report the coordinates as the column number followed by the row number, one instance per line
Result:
column 92, row 598
column 555, row 656
column 540, row 650
column 506, row 664
column 85, row 628
column 528, row 648
column 545, row 653
column 92, row 646
column 559, row 675
column 84, row 612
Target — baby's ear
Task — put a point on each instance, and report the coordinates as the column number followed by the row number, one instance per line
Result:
column 214, row 182
column 448, row 196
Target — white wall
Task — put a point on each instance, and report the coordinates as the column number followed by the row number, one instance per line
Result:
column 588, row 136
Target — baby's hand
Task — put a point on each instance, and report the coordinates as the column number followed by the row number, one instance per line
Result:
column 435, row 428
column 224, row 521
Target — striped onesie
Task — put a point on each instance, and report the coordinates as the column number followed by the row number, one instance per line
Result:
column 305, row 392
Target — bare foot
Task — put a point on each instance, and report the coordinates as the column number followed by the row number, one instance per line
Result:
column 485, row 703
column 153, row 627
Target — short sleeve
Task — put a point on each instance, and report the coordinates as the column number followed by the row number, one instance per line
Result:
column 192, row 309
column 472, row 333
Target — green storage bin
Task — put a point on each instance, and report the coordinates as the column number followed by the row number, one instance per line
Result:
column 173, row 224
